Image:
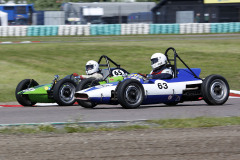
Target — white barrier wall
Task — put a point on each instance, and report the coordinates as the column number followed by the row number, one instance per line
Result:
column 189, row 28
column 119, row 29
column 140, row 28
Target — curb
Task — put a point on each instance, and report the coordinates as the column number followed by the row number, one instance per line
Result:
column 234, row 94
column 17, row 42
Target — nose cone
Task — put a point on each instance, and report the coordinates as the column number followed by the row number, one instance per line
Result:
column 81, row 96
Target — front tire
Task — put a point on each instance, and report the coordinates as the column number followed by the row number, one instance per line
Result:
column 130, row 94
column 84, row 84
column 63, row 92
column 215, row 90
column 23, row 99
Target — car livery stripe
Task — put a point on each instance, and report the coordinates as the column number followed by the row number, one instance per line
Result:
column 154, row 99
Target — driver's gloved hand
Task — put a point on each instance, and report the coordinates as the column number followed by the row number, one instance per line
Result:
column 75, row 74
column 149, row 76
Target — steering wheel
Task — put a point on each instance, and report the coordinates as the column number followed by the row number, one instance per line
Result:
column 144, row 75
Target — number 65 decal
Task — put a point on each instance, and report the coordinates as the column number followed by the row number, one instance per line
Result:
column 117, row 72
column 162, row 85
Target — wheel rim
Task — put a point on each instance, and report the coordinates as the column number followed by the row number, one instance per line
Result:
column 67, row 91
column 218, row 90
column 133, row 94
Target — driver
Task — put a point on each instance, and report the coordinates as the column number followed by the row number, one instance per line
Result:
column 92, row 70
column 160, row 70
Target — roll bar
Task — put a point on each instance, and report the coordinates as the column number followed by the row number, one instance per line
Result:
column 175, row 62
column 107, row 59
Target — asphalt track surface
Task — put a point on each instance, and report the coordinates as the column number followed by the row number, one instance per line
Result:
column 103, row 113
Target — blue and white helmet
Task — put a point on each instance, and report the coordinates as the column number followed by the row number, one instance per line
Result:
column 157, row 60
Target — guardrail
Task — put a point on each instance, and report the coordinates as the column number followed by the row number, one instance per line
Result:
column 119, row 29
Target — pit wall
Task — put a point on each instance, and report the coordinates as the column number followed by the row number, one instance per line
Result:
column 119, row 29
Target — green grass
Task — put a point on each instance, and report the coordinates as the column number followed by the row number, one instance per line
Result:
column 44, row 60
column 150, row 124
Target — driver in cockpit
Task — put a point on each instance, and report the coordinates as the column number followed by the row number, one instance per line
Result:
column 159, row 66
column 92, row 70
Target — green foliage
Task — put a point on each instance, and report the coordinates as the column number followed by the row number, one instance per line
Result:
column 46, row 128
column 30, row 1
column 46, row 4
column 76, row 128
column 17, row 130
column 28, row 129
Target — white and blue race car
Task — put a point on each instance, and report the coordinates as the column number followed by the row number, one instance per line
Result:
column 136, row 90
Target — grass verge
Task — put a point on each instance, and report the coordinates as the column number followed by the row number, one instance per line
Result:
column 154, row 124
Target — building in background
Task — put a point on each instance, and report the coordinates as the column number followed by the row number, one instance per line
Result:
column 198, row 11
column 3, row 19
column 18, row 14
column 113, row 12
column 140, row 17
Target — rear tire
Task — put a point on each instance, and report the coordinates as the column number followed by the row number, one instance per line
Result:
column 23, row 99
column 215, row 90
column 130, row 94
column 63, row 92
column 84, row 84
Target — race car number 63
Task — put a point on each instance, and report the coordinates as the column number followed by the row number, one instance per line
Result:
column 162, row 86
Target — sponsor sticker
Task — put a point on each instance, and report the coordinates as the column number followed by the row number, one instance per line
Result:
column 29, row 89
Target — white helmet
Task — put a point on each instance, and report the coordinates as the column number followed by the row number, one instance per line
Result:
column 157, row 60
column 92, row 67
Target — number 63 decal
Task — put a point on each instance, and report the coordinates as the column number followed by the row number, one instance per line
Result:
column 162, row 85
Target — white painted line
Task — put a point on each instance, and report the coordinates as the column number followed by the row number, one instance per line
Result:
column 233, row 97
column 46, row 104
column 6, row 42
column 25, row 42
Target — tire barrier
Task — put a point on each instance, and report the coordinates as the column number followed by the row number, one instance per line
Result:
column 188, row 28
column 225, row 27
column 128, row 29
column 103, row 29
column 164, row 28
column 119, row 29
column 13, row 31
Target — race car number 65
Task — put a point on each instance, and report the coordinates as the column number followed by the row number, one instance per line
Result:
column 117, row 72
column 162, row 86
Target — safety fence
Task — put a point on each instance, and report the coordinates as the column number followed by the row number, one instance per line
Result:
column 119, row 29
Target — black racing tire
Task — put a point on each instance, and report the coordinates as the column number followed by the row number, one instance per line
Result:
column 84, row 84
column 130, row 94
column 215, row 90
column 63, row 92
column 23, row 99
